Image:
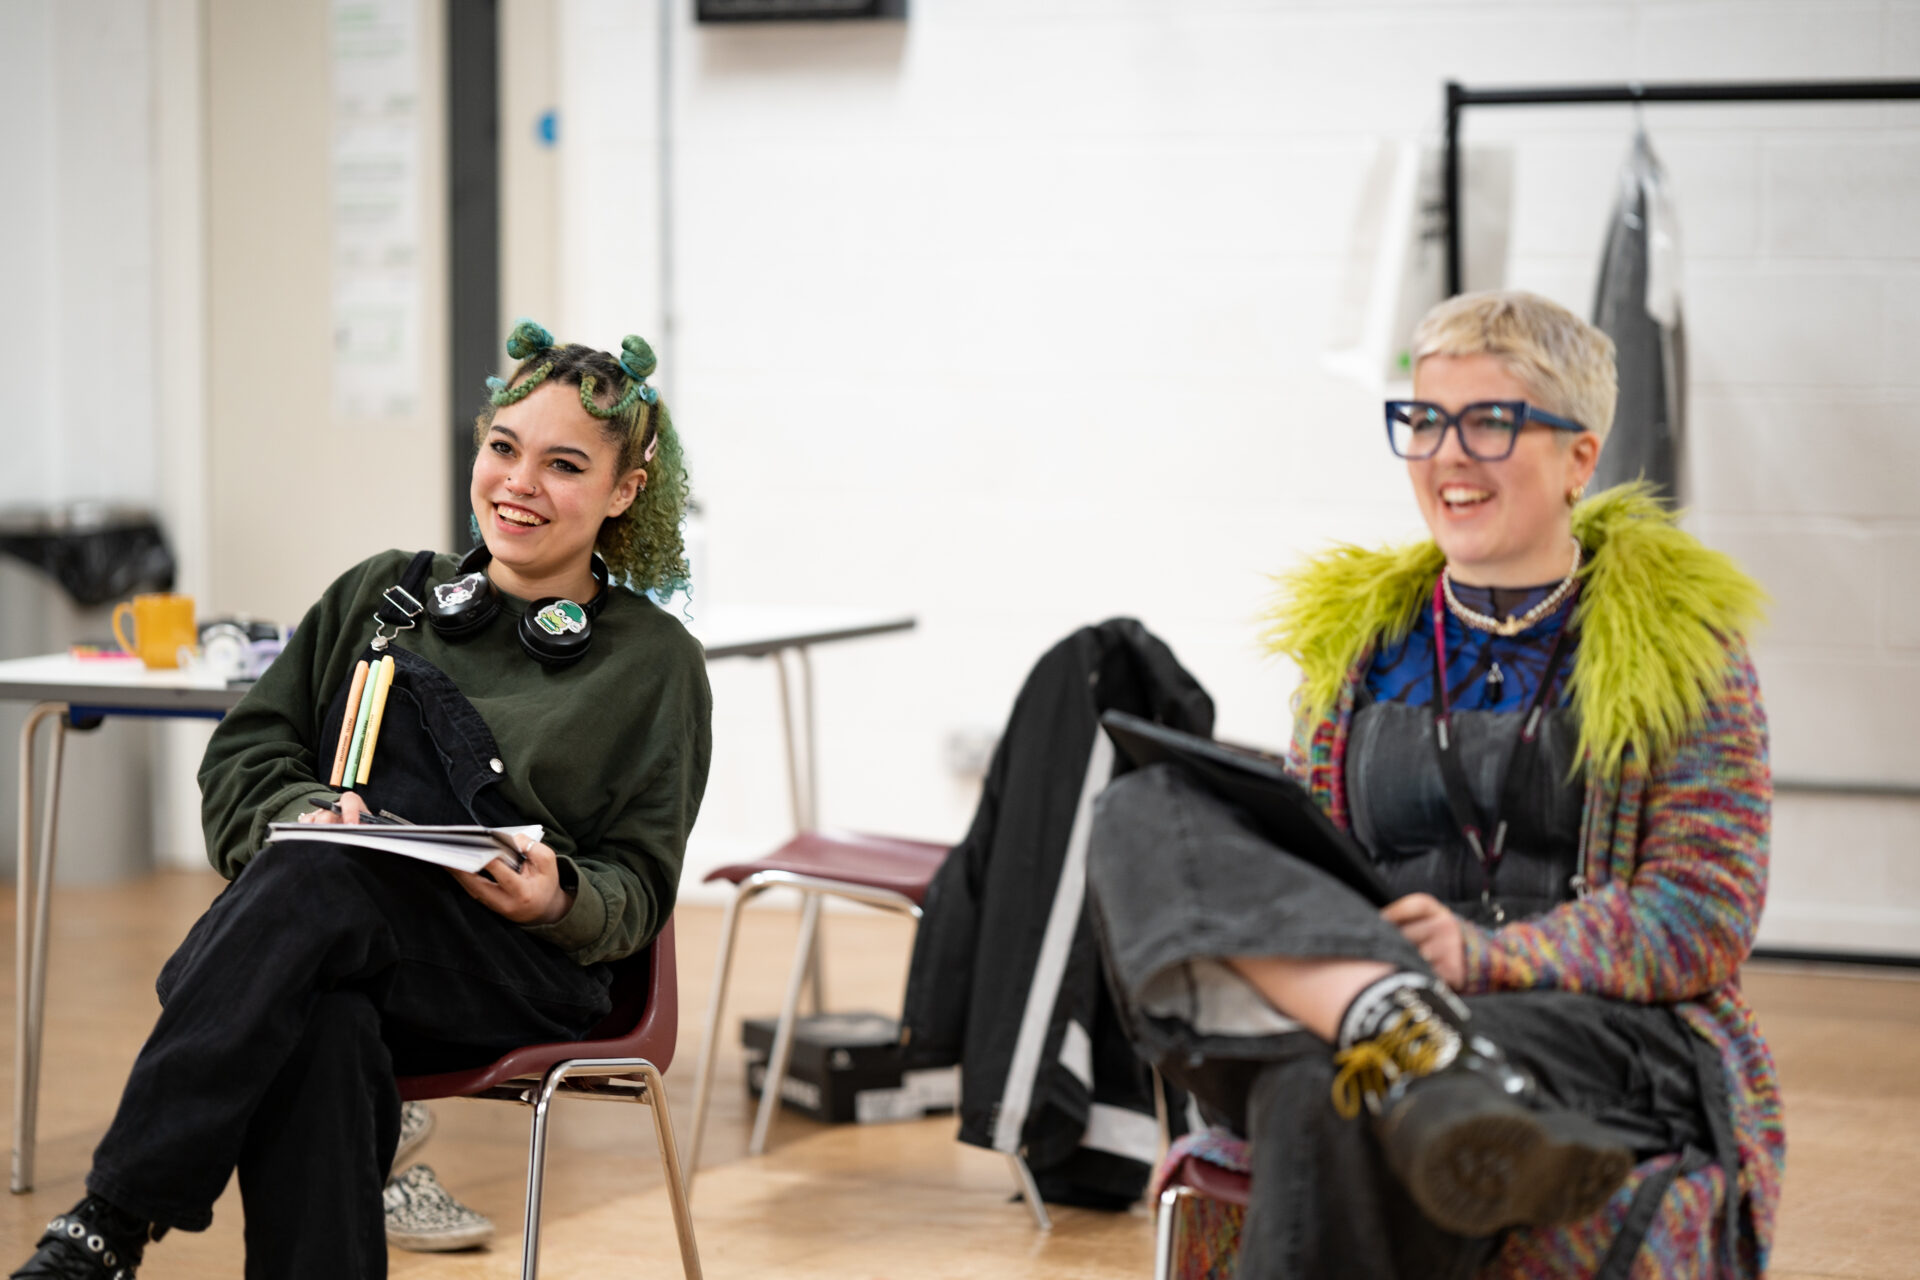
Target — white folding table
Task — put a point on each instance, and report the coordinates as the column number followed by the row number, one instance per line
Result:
column 72, row 693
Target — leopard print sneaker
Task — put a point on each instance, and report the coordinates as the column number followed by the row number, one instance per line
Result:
column 423, row 1216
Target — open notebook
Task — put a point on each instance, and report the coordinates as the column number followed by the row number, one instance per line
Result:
column 464, row 848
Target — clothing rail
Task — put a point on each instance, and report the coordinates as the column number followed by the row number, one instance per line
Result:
column 1459, row 98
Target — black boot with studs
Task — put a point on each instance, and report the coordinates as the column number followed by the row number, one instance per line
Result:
column 1465, row 1130
column 94, row 1240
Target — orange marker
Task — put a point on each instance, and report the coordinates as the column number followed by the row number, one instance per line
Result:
column 380, row 690
column 346, row 725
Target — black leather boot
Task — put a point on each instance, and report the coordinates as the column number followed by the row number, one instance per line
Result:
column 1465, row 1130
column 94, row 1240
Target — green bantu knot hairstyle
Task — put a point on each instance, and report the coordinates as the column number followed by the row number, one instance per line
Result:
column 501, row 395
column 614, row 410
column 636, row 357
column 527, row 338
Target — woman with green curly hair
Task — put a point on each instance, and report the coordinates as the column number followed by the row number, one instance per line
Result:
column 529, row 685
column 642, row 545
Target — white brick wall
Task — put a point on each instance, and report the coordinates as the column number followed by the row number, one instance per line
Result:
column 1806, row 453
column 1013, row 316
column 1899, row 552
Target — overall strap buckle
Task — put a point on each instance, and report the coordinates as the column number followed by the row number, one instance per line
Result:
column 399, row 610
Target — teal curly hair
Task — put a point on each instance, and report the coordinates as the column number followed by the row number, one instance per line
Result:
column 643, row 546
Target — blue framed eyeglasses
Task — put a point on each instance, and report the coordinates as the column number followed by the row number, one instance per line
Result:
column 1487, row 428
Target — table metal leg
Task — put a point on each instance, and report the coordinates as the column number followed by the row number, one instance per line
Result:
column 803, row 786
column 33, row 891
column 817, row 972
column 809, row 734
column 817, row 958
column 796, row 733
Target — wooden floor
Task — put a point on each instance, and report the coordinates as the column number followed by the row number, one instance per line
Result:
column 882, row 1201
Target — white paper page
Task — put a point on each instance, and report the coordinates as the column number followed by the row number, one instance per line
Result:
column 359, row 836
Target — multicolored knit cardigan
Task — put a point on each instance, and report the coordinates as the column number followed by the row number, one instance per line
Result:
column 1673, row 839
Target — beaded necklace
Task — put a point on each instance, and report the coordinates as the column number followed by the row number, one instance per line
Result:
column 1508, row 627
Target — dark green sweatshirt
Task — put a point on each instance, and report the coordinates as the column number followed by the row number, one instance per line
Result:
column 610, row 755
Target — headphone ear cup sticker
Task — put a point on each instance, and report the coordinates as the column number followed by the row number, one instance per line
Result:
column 562, row 617
column 556, row 631
column 462, row 607
column 451, row 595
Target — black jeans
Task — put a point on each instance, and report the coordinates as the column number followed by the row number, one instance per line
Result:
column 1176, row 877
column 310, row 982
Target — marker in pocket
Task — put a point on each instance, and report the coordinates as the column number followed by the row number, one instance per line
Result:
column 379, row 714
column 360, row 724
column 345, row 745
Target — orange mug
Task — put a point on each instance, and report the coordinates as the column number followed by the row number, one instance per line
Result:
column 162, row 626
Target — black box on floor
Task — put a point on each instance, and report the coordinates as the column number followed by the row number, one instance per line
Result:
column 846, row 1067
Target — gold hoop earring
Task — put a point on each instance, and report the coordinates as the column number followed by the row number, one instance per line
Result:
column 1576, row 493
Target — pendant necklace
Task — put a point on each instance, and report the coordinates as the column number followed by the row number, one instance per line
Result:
column 1510, row 627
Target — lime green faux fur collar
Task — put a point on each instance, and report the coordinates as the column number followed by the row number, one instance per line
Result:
column 1656, row 611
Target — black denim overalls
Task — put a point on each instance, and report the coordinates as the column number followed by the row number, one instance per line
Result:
column 318, row 975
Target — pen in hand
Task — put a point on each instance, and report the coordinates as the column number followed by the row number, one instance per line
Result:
column 381, row 819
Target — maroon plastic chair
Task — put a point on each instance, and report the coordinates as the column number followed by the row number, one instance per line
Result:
column 621, row 1060
column 1192, row 1177
column 881, row 871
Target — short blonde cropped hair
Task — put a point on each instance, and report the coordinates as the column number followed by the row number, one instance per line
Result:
column 1566, row 363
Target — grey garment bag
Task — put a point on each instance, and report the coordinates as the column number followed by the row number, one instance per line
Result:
column 1637, row 304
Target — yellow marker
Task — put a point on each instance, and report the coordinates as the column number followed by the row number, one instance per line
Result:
column 360, row 729
column 379, row 714
column 346, row 725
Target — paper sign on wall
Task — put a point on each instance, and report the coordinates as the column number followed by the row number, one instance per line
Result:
column 376, row 208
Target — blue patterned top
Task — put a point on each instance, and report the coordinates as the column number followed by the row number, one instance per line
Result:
column 1403, row 672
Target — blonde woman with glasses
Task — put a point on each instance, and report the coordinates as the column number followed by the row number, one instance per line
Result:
column 1542, row 726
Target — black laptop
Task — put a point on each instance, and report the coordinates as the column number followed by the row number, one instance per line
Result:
column 1260, row 786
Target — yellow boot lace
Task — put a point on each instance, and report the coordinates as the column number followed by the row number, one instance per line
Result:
column 1411, row 1045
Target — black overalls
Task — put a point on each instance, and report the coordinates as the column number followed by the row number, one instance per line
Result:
column 1179, row 879
column 318, row 975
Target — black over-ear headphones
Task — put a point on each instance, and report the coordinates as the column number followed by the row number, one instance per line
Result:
column 554, row 631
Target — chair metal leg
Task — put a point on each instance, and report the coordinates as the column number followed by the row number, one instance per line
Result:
column 654, row 1095
column 33, row 893
column 677, row 1197
column 710, row 1037
column 1163, row 1232
column 536, row 1170
column 783, row 1033
column 1029, row 1191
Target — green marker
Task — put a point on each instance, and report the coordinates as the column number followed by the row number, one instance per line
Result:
column 360, row 732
